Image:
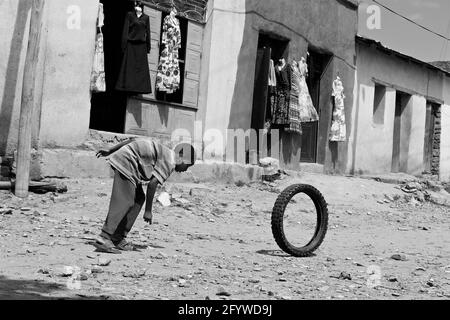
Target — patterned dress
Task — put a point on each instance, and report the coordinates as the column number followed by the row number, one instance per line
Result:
column 338, row 127
column 307, row 111
column 280, row 99
column 295, row 124
column 168, row 76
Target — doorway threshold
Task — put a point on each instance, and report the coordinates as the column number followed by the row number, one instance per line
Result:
column 312, row 167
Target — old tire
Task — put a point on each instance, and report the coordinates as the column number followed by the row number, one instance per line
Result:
column 278, row 214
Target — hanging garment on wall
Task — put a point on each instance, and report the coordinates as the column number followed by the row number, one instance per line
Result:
column 98, row 79
column 295, row 124
column 168, row 76
column 272, row 76
column 280, row 103
column 307, row 111
column 338, row 126
column 134, row 76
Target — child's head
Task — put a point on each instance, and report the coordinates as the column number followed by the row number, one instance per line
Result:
column 185, row 156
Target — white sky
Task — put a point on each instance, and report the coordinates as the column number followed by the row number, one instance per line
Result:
column 401, row 35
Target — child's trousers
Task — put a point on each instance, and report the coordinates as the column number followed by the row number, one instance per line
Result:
column 125, row 205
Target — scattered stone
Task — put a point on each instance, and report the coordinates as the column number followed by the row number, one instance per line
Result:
column 282, row 279
column 324, row 288
column 431, row 283
column 420, row 196
column 102, row 195
column 96, row 270
column 223, row 292
column 83, row 276
column 345, row 276
column 6, row 212
column 25, row 209
column 68, row 271
column 395, row 294
column 399, row 257
column 44, row 271
column 135, row 274
column 181, row 282
column 104, row 262
column 392, row 279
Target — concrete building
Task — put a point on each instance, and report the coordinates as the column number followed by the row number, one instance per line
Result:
column 221, row 41
column 402, row 123
column 396, row 107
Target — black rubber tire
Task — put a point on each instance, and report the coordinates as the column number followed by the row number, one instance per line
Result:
column 278, row 214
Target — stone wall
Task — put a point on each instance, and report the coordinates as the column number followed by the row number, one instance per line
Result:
column 436, row 159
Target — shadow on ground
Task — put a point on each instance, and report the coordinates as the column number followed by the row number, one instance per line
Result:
column 279, row 253
column 36, row 290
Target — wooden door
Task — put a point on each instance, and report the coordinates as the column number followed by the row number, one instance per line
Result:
column 397, row 131
column 260, row 93
column 193, row 64
column 153, row 57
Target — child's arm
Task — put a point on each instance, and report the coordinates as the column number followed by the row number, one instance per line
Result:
column 151, row 190
column 105, row 153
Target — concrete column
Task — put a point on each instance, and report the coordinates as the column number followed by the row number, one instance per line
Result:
column 66, row 91
column 417, row 110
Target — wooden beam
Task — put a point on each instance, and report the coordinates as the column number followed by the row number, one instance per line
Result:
column 28, row 100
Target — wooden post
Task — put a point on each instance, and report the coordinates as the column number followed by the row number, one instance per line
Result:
column 28, row 100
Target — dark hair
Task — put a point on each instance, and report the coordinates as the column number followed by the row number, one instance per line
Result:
column 139, row 4
column 186, row 151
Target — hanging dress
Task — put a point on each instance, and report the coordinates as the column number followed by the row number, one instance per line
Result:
column 168, row 76
column 134, row 75
column 280, row 100
column 307, row 111
column 295, row 124
column 98, row 78
column 338, row 127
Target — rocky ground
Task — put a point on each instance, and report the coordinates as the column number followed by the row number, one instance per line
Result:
column 384, row 241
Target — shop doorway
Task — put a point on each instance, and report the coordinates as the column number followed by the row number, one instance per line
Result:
column 108, row 108
column 270, row 47
column 402, row 129
column 318, row 63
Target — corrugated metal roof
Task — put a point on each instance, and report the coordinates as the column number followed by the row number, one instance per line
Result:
column 381, row 46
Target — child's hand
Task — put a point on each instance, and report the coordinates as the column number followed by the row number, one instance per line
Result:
column 148, row 220
column 103, row 153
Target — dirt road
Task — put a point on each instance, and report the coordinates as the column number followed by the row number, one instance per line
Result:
column 216, row 243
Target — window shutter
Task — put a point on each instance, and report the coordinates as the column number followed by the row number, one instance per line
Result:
column 153, row 57
column 193, row 63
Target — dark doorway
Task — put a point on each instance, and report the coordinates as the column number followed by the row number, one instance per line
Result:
column 108, row 108
column 270, row 47
column 430, row 138
column 318, row 63
column 402, row 128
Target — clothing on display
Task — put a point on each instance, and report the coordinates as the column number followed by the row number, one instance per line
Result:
column 272, row 76
column 98, row 77
column 338, row 127
column 168, row 76
column 295, row 124
column 281, row 97
column 134, row 76
column 307, row 111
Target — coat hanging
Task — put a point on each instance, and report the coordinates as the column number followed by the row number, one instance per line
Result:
column 338, row 127
column 134, row 76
